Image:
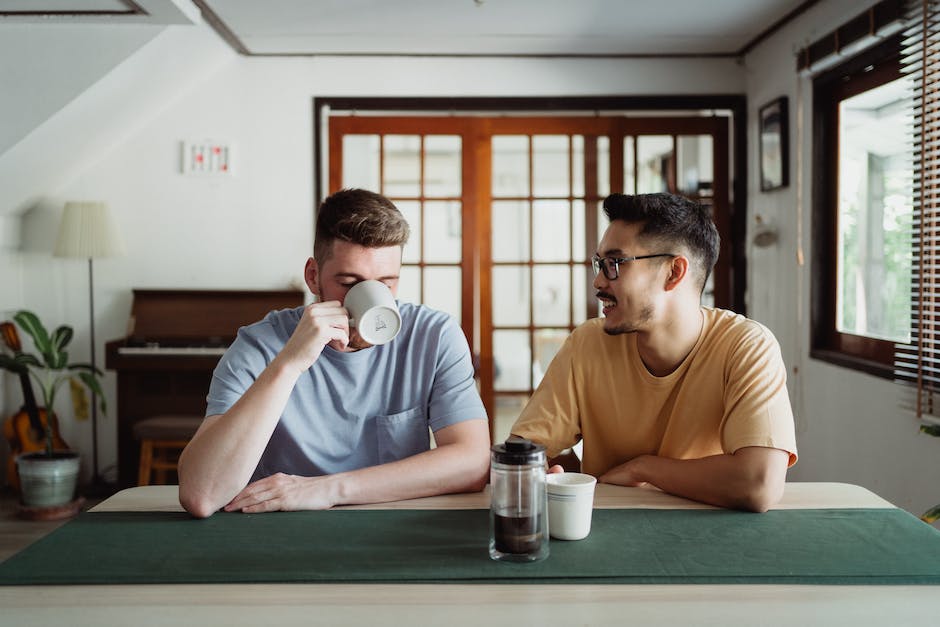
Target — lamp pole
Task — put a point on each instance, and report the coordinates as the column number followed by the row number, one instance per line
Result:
column 96, row 478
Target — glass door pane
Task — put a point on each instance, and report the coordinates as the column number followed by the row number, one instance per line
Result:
column 655, row 156
column 695, row 171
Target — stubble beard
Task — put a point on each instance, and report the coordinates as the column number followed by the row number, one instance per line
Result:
column 355, row 340
column 646, row 314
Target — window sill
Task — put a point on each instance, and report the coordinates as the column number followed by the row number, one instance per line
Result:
column 867, row 366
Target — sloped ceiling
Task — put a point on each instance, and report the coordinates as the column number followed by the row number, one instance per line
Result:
column 53, row 50
column 80, row 82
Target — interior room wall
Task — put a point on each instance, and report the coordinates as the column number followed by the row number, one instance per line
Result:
column 849, row 424
column 253, row 229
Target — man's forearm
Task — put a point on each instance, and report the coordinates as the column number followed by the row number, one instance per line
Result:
column 455, row 467
column 751, row 479
column 219, row 460
column 459, row 464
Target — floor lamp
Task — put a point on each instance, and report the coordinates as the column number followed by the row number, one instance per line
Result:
column 86, row 231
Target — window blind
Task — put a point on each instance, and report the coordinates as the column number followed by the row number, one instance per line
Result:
column 919, row 362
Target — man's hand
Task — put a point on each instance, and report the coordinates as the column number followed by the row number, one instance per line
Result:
column 626, row 474
column 282, row 492
column 321, row 324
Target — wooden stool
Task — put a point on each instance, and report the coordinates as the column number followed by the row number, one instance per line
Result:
column 162, row 438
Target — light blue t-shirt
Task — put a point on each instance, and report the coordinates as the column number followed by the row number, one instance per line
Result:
column 359, row 409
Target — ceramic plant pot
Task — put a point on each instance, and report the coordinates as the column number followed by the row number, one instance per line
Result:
column 48, row 481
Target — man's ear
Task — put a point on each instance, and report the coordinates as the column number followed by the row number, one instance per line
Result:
column 678, row 271
column 311, row 270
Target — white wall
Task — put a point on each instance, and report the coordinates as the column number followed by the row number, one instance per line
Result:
column 255, row 229
column 849, row 425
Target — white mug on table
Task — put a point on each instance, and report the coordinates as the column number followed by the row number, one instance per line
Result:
column 570, row 504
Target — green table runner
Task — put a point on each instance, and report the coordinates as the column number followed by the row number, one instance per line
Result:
column 837, row 546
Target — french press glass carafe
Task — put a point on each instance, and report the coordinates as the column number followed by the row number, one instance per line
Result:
column 518, row 506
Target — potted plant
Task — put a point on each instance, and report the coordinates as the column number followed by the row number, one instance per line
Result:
column 933, row 514
column 48, row 471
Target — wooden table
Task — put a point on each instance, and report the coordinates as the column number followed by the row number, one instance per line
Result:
column 473, row 604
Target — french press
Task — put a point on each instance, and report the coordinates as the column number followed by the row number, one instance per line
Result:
column 518, row 505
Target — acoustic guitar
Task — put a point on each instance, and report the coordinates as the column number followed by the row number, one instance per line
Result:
column 26, row 429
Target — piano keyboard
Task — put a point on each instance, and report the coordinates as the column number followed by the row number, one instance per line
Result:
column 181, row 351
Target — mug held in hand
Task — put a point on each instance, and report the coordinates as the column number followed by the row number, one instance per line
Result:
column 373, row 311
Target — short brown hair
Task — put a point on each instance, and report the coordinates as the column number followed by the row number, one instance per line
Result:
column 361, row 217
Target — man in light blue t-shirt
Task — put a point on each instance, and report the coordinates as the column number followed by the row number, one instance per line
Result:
column 304, row 414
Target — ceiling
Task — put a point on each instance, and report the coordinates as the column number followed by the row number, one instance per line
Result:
column 451, row 27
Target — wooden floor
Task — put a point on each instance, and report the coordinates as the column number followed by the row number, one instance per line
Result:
column 17, row 533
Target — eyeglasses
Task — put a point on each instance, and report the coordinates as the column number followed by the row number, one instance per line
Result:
column 611, row 265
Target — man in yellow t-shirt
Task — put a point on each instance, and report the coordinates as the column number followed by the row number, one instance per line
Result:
column 663, row 391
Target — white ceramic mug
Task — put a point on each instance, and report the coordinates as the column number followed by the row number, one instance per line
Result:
column 373, row 311
column 570, row 504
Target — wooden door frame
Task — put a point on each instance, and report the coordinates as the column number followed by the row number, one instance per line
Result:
column 734, row 251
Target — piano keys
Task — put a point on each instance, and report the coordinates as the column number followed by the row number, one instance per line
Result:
column 174, row 341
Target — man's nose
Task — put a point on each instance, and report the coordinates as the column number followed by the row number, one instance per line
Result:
column 600, row 281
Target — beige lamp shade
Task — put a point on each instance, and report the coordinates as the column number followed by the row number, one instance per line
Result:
column 87, row 231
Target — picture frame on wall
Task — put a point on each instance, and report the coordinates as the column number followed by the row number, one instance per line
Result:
column 773, row 139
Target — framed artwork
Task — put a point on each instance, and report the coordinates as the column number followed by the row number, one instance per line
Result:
column 774, row 136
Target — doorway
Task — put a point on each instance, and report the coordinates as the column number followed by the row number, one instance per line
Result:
column 506, row 212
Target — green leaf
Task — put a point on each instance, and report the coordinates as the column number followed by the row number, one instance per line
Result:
column 88, row 367
column 11, row 364
column 28, row 360
column 57, row 358
column 30, row 323
column 92, row 382
column 933, row 430
column 52, row 360
column 61, row 338
column 931, row 515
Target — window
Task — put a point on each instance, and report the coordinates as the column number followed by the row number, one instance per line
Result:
column 874, row 260
column 862, row 203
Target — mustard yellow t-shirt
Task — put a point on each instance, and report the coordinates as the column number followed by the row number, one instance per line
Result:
column 729, row 393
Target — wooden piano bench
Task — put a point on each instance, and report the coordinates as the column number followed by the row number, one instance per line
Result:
column 162, row 438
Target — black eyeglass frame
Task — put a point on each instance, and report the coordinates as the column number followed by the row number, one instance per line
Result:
column 611, row 265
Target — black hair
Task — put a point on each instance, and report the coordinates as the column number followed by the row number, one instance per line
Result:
column 671, row 221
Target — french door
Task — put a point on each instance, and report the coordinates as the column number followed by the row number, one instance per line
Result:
column 506, row 213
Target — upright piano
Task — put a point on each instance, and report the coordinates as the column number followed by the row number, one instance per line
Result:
column 165, row 363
